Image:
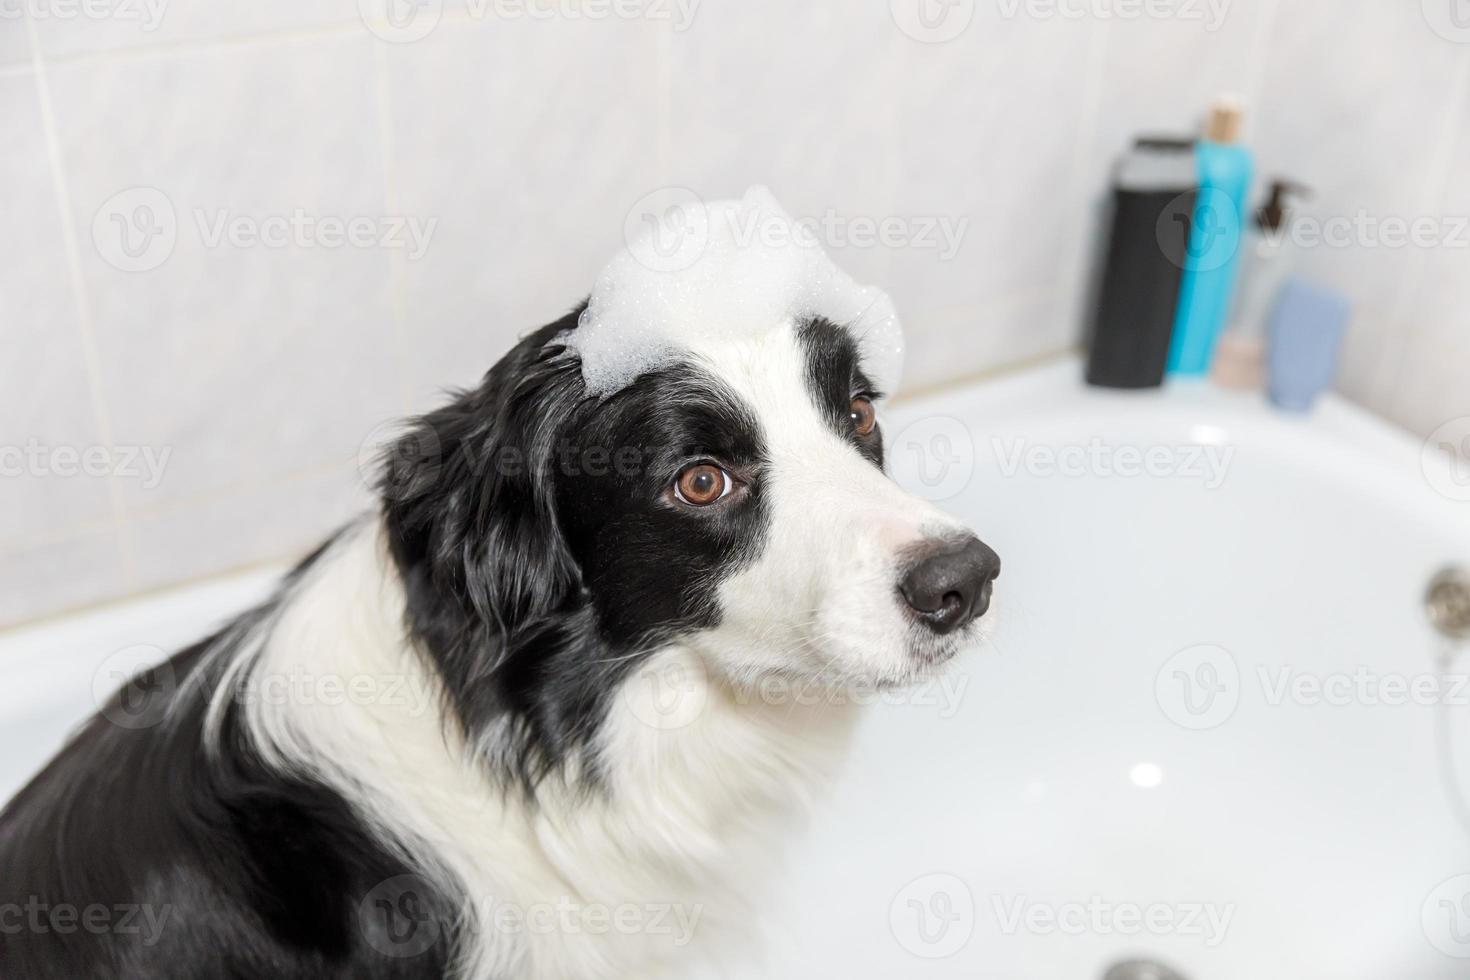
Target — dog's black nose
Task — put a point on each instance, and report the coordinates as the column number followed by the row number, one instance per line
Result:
column 949, row 584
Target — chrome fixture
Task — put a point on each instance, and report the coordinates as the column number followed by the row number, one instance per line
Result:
column 1141, row 970
column 1448, row 602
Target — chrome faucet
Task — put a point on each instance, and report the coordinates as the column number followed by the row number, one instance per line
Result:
column 1448, row 602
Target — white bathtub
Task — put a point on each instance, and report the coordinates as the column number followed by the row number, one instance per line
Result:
column 1072, row 797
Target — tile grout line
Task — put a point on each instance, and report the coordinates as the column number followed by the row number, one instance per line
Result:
column 985, row 375
column 1262, row 43
column 86, row 328
column 664, row 92
column 1097, row 51
column 1069, row 306
column 896, row 57
column 397, row 273
column 206, row 45
column 1406, row 300
column 186, row 504
column 275, row 567
column 999, row 307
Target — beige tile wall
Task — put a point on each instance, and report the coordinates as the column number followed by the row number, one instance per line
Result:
column 135, row 321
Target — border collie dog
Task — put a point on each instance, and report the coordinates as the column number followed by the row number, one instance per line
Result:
column 555, row 744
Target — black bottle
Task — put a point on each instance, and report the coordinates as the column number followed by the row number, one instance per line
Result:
column 1153, row 205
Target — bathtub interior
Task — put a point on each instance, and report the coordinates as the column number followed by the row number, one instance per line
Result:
column 1048, row 779
column 59, row 672
column 1304, row 839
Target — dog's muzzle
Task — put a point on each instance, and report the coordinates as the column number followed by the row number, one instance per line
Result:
column 949, row 582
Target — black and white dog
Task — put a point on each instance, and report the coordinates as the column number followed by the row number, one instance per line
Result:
column 598, row 598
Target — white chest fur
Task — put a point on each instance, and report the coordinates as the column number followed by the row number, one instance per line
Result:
column 699, row 785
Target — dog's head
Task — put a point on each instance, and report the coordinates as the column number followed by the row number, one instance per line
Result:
column 732, row 501
column 755, row 523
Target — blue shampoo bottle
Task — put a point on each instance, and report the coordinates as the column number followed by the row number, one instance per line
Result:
column 1216, row 237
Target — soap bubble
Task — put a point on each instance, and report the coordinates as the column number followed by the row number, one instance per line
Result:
column 695, row 274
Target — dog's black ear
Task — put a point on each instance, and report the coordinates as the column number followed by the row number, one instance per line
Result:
column 468, row 502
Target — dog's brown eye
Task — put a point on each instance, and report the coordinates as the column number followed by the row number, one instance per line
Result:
column 864, row 417
column 702, row 484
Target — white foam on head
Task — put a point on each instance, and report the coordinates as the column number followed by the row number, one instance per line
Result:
column 710, row 272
